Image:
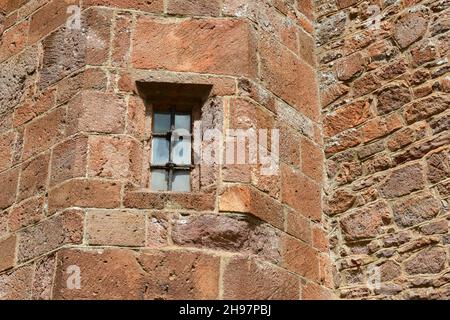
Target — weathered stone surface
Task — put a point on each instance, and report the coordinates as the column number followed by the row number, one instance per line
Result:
column 30, row 109
column 244, row 199
column 50, row 16
column 427, row 107
column 409, row 28
column 33, row 177
column 43, row 133
column 437, row 227
column 157, row 230
column 248, row 279
column 339, row 202
column 438, row 166
column 421, row 149
column 7, row 253
column 312, row 160
column 301, row 193
column 93, row 111
column 366, row 222
column 43, row 278
column 300, row 258
column 346, row 117
column 154, row 6
column 297, row 87
column 350, row 66
column 389, row 270
column 16, row 284
column 196, row 278
column 298, row 226
column 64, row 52
column 312, row 291
column 416, row 209
column 427, row 261
column 393, row 97
column 16, row 77
column 194, row 7
column 105, row 274
column 231, row 232
column 69, row 159
column 441, row 123
column 13, row 40
column 84, row 193
column 65, row 228
column 403, row 181
column 331, row 27
column 26, row 213
column 9, row 187
column 7, row 150
column 115, row 227
column 215, row 46
column 115, row 158
column 169, row 201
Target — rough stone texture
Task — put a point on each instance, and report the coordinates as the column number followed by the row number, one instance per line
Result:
column 93, row 111
column 416, row 209
column 64, row 52
column 114, row 158
column 431, row 260
column 50, row 234
column 365, row 223
column 26, row 213
column 102, row 275
column 246, row 279
column 196, row 278
column 369, row 94
column 75, row 151
column 43, row 132
column 8, row 250
column 9, row 180
column 69, row 160
column 84, row 193
column 403, row 181
column 33, row 177
column 16, row 284
column 119, row 228
column 44, row 270
column 75, row 148
column 233, row 233
column 16, row 77
column 409, row 28
column 221, row 46
column 387, row 160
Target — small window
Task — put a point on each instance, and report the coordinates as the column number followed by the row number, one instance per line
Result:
column 171, row 160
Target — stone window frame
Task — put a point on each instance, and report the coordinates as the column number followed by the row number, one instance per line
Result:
column 160, row 96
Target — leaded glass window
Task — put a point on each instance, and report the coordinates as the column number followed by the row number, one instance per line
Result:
column 171, row 160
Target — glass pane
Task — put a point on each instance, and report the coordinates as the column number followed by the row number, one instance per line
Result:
column 159, row 180
column 181, row 152
column 181, row 181
column 160, row 151
column 161, row 122
column 183, row 121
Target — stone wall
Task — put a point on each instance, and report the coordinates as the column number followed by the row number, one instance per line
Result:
column 358, row 89
column 384, row 84
column 74, row 146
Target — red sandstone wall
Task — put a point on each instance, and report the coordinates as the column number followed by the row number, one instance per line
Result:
column 74, row 152
column 385, row 106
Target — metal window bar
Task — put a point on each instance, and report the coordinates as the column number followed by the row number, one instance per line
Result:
column 170, row 166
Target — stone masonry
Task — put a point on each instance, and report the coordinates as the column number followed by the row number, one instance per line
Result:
column 359, row 208
column 384, row 85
